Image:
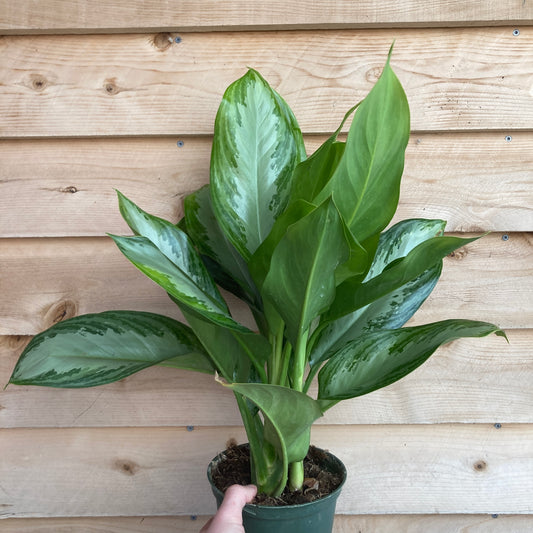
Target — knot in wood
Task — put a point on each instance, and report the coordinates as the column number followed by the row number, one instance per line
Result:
column 61, row 311
column 125, row 466
column 480, row 465
column 38, row 82
column 162, row 41
column 459, row 254
column 372, row 75
column 111, row 87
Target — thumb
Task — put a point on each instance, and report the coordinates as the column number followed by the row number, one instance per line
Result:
column 230, row 512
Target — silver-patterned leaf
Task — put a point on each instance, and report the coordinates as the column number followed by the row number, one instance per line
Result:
column 95, row 349
column 256, row 146
column 380, row 358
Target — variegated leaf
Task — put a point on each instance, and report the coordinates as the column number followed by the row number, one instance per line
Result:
column 256, row 146
column 394, row 309
column 380, row 358
column 96, row 349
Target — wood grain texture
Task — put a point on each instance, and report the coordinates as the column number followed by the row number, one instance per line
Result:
column 55, row 188
column 46, row 280
column 95, row 95
column 342, row 524
column 94, row 85
column 212, row 15
column 467, row 381
column 161, row 471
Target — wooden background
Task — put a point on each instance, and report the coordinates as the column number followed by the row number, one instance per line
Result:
column 100, row 95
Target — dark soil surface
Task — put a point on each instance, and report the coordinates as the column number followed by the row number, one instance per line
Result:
column 235, row 469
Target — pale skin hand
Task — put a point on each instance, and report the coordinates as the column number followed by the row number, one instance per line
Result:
column 229, row 516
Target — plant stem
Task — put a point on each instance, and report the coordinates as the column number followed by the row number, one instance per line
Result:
column 286, row 358
column 276, row 363
column 296, row 469
column 298, row 366
column 310, row 345
column 296, row 475
column 266, row 471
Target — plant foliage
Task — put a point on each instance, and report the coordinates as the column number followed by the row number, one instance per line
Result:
column 304, row 243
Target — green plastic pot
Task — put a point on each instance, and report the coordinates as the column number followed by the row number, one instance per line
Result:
column 312, row 517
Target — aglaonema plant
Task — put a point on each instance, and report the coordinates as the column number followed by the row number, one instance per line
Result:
column 306, row 244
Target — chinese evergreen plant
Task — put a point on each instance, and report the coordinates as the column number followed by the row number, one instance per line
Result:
column 304, row 243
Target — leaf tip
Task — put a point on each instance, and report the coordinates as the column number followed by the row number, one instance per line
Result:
column 501, row 333
column 390, row 51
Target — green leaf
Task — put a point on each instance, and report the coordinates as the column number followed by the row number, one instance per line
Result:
column 233, row 353
column 256, row 146
column 96, row 349
column 354, row 295
column 227, row 266
column 395, row 308
column 366, row 183
column 357, row 262
column 311, row 175
column 259, row 263
column 308, row 180
column 287, row 429
column 401, row 238
column 159, row 231
column 196, row 362
column 301, row 280
column 165, row 254
column 186, row 280
column 388, row 312
column 378, row 359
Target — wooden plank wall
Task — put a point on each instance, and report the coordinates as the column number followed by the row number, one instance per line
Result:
column 100, row 95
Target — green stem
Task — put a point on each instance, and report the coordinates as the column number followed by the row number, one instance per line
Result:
column 276, row 359
column 299, row 360
column 266, row 469
column 296, row 469
column 310, row 345
column 254, row 430
column 286, row 358
column 296, row 475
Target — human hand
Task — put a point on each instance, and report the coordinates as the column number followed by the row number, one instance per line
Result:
column 229, row 515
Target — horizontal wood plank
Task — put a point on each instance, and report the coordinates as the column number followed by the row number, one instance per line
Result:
column 475, row 181
column 212, row 15
column 342, row 524
column 96, row 95
column 467, row 381
column 406, row 469
column 93, row 85
column 46, row 280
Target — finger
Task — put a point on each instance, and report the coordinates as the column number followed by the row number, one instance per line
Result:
column 236, row 497
column 240, row 494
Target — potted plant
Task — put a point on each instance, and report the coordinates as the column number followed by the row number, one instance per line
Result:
column 304, row 243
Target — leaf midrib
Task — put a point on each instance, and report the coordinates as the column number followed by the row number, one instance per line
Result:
column 370, row 169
